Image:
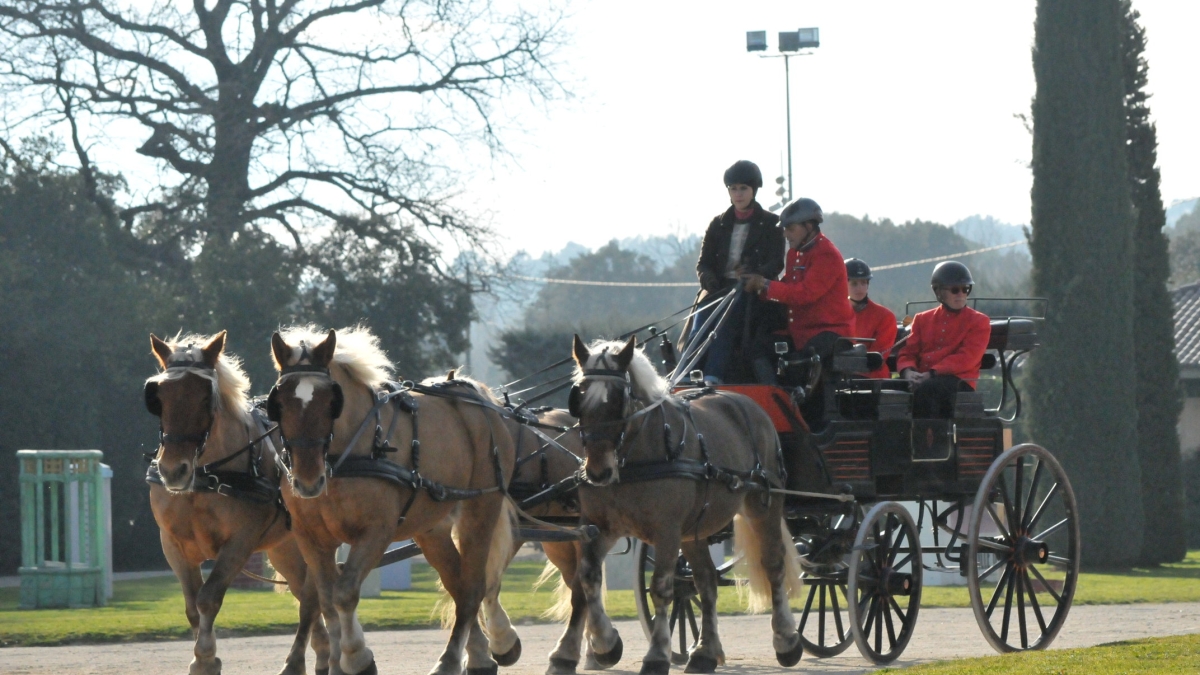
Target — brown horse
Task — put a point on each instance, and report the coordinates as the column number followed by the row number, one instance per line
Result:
column 672, row 472
column 437, row 475
column 200, row 396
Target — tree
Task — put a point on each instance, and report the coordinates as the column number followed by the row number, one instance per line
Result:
column 288, row 114
column 75, row 348
column 1159, row 397
column 1083, row 379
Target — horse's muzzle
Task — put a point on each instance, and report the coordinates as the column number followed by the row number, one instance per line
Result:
column 309, row 491
column 179, row 480
column 606, row 476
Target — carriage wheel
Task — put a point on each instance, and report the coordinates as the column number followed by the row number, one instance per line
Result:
column 1024, row 538
column 684, row 609
column 885, row 582
column 824, row 624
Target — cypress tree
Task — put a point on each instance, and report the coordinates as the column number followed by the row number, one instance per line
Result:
column 1159, row 399
column 1084, row 407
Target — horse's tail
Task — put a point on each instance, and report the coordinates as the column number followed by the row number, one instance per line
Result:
column 501, row 552
column 560, row 608
column 748, row 543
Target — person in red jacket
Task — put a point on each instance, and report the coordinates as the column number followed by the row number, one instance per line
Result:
column 871, row 320
column 946, row 345
column 814, row 290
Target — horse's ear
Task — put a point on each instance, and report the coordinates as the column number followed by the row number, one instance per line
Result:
column 322, row 354
column 625, row 356
column 212, row 350
column 450, row 374
column 280, row 350
column 162, row 350
column 581, row 352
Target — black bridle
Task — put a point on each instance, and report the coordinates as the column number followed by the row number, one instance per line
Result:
column 200, row 438
column 302, row 442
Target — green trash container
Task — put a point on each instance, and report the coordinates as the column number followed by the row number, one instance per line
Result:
column 64, row 529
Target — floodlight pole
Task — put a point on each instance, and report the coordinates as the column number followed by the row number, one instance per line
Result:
column 787, row 86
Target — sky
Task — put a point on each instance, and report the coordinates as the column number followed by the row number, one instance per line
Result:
column 906, row 111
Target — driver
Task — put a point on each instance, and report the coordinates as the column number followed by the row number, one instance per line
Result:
column 946, row 345
column 745, row 238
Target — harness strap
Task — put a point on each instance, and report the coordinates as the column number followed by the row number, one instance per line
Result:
column 368, row 467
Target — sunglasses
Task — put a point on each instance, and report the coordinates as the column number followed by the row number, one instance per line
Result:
column 957, row 290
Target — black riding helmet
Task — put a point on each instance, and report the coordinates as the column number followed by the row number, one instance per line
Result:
column 801, row 211
column 951, row 273
column 744, row 172
column 857, row 269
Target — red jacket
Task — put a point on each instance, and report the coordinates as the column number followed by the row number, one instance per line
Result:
column 949, row 343
column 877, row 322
column 815, row 290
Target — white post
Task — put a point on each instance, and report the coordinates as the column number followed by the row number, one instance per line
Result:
column 397, row 576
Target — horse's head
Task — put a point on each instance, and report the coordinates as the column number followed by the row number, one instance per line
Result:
column 602, row 400
column 185, row 398
column 305, row 402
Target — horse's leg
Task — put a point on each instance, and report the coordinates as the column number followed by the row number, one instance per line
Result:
column 708, row 653
column 767, row 520
column 603, row 638
column 322, row 570
column 439, row 551
column 230, row 561
column 565, row 657
column 503, row 640
column 662, row 591
column 189, row 578
column 356, row 657
column 477, row 525
column 285, row 557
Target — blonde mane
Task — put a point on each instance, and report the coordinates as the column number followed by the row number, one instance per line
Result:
column 465, row 381
column 647, row 385
column 357, row 351
column 229, row 380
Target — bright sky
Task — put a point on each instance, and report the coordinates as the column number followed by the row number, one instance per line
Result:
column 905, row 111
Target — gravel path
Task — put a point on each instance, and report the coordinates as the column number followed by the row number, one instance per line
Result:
column 941, row 634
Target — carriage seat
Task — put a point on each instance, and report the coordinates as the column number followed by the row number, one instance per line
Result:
column 1013, row 335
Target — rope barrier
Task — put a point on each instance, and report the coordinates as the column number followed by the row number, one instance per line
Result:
column 693, row 284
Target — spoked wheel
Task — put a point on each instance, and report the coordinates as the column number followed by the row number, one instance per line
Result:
column 824, row 622
column 885, row 582
column 684, row 624
column 1024, row 539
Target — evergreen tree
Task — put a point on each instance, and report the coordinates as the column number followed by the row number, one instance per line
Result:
column 1083, row 380
column 1159, row 399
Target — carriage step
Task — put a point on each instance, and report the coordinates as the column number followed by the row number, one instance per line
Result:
column 584, row 533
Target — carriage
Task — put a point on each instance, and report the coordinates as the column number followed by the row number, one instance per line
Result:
column 871, row 481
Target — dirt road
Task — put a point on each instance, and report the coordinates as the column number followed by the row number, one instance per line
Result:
column 941, row 634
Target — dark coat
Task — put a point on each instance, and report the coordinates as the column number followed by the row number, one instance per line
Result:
column 762, row 254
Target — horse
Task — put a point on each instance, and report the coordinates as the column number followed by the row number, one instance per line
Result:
column 228, row 508
column 443, row 488
column 671, row 471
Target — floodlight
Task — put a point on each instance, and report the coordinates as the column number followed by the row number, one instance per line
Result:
column 789, row 41
column 809, row 38
column 756, row 40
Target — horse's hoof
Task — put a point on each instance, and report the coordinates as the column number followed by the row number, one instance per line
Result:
column 701, row 663
column 655, row 667
column 561, row 666
column 612, row 657
column 511, row 656
column 792, row 656
column 490, row 670
column 369, row 670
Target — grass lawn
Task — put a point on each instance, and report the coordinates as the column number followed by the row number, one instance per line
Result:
column 152, row 609
column 1180, row 654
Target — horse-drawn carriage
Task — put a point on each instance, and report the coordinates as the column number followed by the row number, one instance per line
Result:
column 827, row 499
column 866, row 485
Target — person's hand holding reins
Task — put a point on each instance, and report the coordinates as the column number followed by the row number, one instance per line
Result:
column 754, row 283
